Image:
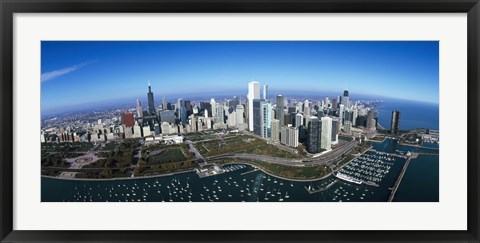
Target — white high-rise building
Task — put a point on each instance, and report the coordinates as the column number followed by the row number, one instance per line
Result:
column 275, row 130
column 354, row 117
column 298, row 120
column 266, row 120
column 292, row 137
column 164, row 103
column 137, row 131
column 265, row 92
column 253, row 93
column 326, row 136
column 146, row 131
column 219, row 114
column 232, row 119
column 284, row 135
column 214, row 106
column 348, row 127
column 239, row 110
column 139, row 109
column 340, row 114
column 327, row 102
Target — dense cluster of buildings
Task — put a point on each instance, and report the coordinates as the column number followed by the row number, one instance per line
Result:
column 316, row 124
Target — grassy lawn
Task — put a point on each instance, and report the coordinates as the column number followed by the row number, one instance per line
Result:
column 57, row 159
column 167, row 155
column 66, row 147
column 203, row 135
column 162, row 159
column 108, row 146
column 155, row 169
column 241, row 144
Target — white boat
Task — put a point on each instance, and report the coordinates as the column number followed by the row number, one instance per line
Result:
column 348, row 178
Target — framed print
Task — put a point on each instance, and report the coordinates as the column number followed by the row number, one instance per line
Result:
column 239, row 121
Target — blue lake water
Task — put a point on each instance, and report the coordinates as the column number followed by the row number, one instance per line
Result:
column 421, row 181
column 412, row 114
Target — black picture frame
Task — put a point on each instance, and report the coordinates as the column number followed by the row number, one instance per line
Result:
column 9, row 7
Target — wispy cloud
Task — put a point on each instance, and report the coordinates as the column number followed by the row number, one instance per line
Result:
column 60, row 72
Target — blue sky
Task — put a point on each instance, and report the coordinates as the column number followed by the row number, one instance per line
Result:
column 95, row 71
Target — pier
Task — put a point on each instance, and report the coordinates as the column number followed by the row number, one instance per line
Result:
column 392, row 154
column 400, row 176
column 250, row 171
column 320, row 189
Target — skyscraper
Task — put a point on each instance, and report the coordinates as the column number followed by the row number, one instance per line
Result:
column 253, row 93
column 314, row 133
column 340, row 114
column 213, row 106
column 139, row 109
column 395, row 122
column 151, row 104
column 326, row 140
column 348, row 127
column 345, row 98
column 257, row 116
column 275, row 130
column 266, row 120
column 354, row 117
column 335, row 129
column 292, row 137
column 280, row 112
column 164, row 103
column 371, row 120
column 334, row 104
column 182, row 111
column 265, row 91
column 284, row 135
column 298, row 120
column 239, row 111
column 219, row 114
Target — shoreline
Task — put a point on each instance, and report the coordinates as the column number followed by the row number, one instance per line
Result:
column 182, row 172
column 119, row 178
column 277, row 176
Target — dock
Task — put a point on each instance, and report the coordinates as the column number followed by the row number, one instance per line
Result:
column 391, row 154
column 400, row 176
column 250, row 171
column 320, row 189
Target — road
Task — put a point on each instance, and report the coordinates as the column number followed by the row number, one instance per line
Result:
column 198, row 156
column 325, row 159
column 273, row 160
column 329, row 158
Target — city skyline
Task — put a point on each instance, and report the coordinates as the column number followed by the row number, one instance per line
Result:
column 100, row 71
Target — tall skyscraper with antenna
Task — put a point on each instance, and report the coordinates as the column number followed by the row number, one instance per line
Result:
column 345, row 98
column 151, row 103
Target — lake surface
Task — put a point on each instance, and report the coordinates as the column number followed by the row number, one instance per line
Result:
column 421, row 181
column 242, row 183
column 412, row 114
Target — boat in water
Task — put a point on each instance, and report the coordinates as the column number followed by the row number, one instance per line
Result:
column 348, row 178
